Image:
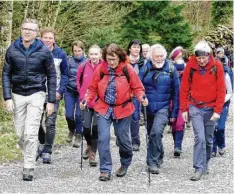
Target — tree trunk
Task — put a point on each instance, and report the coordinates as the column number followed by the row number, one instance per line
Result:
column 56, row 14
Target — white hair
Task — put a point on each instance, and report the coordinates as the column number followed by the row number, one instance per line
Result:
column 202, row 46
column 146, row 46
column 156, row 47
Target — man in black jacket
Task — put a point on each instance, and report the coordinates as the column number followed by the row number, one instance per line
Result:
column 28, row 64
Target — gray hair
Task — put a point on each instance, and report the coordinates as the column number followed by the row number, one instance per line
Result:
column 146, row 46
column 202, row 46
column 31, row 21
column 156, row 47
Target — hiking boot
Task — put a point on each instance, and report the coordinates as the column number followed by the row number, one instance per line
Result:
column 196, row 176
column 69, row 137
column 135, row 147
column 46, row 158
column 92, row 158
column 86, row 153
column 213, row 154
column 77, row 141
column 39, row 151
column 121, row 171
column 153, row 169
column 177, row 152
column 104, row 176
column 221, row 151
column 28, row 174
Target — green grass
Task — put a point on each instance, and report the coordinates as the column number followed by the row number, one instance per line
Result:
column 8, row 138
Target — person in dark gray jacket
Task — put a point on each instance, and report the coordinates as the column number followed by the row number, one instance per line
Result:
column 28, row 65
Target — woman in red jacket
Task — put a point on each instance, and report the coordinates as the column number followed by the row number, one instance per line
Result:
column 113, row 82
column 202, row 93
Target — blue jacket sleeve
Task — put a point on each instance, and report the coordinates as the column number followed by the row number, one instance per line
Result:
column 175, row 94
column 64, row 74
column 7, row 77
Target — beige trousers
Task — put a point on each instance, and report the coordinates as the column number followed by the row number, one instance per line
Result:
column 27, row 116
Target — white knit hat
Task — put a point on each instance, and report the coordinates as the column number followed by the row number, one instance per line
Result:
column 202, row 46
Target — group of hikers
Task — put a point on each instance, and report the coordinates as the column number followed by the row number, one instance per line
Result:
column 111, row 86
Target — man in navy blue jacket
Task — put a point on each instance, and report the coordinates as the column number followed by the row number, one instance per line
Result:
column 161, row 83
column 28, row 65
column 60, row 60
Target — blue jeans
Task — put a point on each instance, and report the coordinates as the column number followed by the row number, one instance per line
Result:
column 73, row 112
column 135, row 122
column 203, row 129
column 155, row 127
column 122, row 132
column 219, row 133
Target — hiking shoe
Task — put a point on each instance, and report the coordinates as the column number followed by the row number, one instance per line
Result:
column 196, row 176
column 177, row 152
column 46, row 158
column 86, row 153
column 213, row 154
column 121, row 171
column 92, row 158
column 77, row 141
column 104, row 176
column 28, row 174
column 153, row 169
column 69, row 137
column 135, row 147
column 221, row 151
column 39, row 151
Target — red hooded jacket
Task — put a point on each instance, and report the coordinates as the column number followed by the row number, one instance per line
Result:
column 123, row 88
column 208, row 88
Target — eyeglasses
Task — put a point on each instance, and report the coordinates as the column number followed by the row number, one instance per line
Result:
column 112, row 60
column 28, row 29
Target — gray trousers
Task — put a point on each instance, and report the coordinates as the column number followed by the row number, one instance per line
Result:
column 203, row 129
column 155, row 126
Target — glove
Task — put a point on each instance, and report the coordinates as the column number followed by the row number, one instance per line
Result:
column 10, row 105
column 185, row 116
column 83, row 104
column 144, row 101
column 215, row 117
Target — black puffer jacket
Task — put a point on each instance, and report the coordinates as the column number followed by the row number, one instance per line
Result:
column 26, row 74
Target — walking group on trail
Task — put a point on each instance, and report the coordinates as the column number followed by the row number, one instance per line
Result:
column 114, row 86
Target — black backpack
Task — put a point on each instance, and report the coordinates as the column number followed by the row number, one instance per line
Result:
column 192, row 70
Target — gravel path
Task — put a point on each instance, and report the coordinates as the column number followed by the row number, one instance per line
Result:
column 64, row 174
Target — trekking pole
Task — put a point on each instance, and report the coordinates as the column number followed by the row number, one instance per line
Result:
column 146, row 134
column 81, row 149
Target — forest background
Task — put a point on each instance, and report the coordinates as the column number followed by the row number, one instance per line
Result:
column 170, row 23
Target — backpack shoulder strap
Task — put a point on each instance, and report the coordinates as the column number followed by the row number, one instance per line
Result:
column 191, row 72
column 125, row 72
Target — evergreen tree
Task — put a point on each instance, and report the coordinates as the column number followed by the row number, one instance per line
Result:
column 222, row 12
column 157, row 22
